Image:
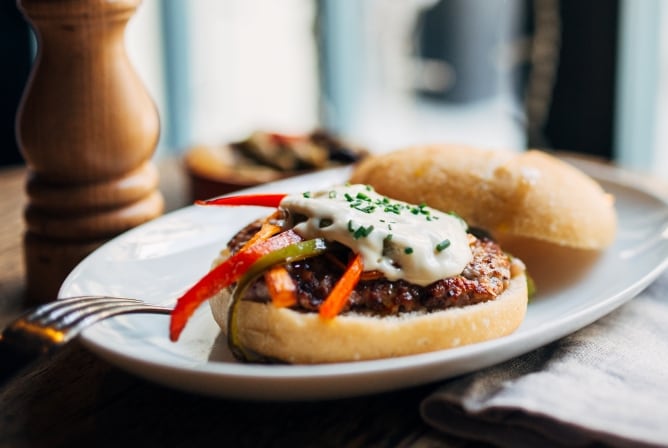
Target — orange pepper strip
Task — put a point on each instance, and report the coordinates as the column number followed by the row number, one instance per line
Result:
column 334, row 259
column 266, row 231
column 338, row 297
column 371, row 275
column 221, row 277
column 282, row 288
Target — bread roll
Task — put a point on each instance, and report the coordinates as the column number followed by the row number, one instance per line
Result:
column 530, row 194
column 305, row 338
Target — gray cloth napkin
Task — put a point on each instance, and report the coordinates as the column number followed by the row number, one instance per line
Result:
column 604, row 385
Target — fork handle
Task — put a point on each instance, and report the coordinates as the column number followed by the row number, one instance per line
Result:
column 13, row 362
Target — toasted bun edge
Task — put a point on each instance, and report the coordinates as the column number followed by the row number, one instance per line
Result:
column 305, row 338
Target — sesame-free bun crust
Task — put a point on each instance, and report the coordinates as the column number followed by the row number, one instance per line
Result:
column 530, row 194
column 305, row 338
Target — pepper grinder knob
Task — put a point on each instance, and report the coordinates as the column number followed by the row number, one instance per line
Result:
column 87, row 129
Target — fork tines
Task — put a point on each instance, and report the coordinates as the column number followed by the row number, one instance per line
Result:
column 63, row 313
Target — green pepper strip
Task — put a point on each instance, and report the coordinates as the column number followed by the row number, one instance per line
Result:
column 531, row 286
column 221, row 277
column 294, row 252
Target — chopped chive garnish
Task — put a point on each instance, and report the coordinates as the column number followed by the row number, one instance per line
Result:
column 306, row 194
column 362, row 232
column 442, row 245
column 408, row 250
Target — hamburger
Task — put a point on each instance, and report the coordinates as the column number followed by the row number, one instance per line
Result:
column 415, row 280
column 356, row 273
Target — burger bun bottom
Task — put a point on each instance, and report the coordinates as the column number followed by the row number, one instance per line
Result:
column 305, row 338
column 552, row 267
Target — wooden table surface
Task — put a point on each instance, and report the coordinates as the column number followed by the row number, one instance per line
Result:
column 76, row 399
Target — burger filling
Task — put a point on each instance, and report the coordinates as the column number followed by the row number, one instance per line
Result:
column 483, row 278
column 350, row 249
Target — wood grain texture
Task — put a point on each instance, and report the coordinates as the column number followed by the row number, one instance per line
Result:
column 87, row 129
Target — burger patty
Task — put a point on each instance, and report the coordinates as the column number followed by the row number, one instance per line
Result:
column 484, row 278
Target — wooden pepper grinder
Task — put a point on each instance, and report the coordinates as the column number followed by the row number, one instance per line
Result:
column 87, row 129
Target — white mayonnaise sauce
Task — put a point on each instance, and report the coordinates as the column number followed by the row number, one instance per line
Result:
column 416, row 243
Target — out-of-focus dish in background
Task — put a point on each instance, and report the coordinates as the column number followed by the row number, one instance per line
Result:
column 263, row 157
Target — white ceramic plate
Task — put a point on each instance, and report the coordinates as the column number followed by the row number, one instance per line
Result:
column 161, row 259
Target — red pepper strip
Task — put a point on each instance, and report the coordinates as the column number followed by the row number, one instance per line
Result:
column 337, row 299
column 286, row 139
column 282, row 288
column 222, row 276
column 263, row 200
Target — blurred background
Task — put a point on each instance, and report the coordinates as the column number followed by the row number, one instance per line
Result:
column 587, row 77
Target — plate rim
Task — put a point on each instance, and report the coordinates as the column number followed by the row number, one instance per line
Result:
column 528, row 340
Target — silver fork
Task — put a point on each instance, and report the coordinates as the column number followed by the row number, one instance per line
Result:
column 46, row 328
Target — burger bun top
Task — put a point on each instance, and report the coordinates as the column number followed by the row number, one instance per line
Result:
column 531, row 194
